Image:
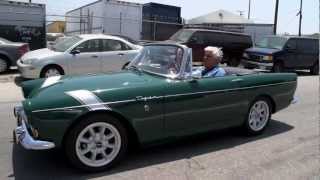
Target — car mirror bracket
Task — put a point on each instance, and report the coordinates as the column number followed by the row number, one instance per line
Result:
column 75, row 51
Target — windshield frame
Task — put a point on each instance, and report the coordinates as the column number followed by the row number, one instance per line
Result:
column 180, row 75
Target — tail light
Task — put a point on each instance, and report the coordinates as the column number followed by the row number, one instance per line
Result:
column 23, row 49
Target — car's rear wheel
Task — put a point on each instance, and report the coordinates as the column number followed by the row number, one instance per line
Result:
column 97, row 143
column 3, row 65
column 50, row 71
column 258, row 116
column 314, row 70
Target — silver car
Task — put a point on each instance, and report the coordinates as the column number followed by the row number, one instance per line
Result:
column 82, row 54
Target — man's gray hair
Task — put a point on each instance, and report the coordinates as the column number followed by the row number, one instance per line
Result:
column 215, row 51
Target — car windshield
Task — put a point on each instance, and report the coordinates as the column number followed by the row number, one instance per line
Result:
column 62, row 46
column 163, row 60
column 4, row 40
column 272, row 42
column 182, row 36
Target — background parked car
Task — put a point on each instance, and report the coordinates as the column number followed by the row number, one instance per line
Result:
column 279, row 53
column 52, row 38
column 10, row 52
column 232, row 44
column 82, row 54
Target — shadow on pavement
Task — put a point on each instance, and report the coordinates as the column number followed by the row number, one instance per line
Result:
column 53, row 164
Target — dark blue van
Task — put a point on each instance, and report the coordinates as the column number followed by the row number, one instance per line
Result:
column 281, row 53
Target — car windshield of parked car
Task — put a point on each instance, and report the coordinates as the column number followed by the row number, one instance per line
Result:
column 62, row 46
column 182, row 36
column 4, row 41
column 272, row 42
column 159, row 59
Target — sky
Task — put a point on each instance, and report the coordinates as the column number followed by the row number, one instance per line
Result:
column 262, row 11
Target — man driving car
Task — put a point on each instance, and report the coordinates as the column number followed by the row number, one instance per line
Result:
column 212, row 58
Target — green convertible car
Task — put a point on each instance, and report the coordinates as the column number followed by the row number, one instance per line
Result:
column 157, row 98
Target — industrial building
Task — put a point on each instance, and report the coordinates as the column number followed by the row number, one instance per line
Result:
column 151, row 21
column 227, row 21
column 56, row 27
column 23, row 22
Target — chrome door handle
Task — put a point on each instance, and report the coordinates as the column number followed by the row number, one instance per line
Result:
column 121, row 54
column 94, row 56
column 237, row 80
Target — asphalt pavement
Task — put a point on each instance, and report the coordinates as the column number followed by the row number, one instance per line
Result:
column 289, row 148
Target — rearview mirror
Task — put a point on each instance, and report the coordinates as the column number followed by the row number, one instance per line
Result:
column 75, row 51
column 290, row 48
column 193, row 40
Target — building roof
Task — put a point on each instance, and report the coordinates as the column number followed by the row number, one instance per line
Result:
column 220, row 17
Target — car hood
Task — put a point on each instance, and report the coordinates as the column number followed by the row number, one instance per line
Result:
column 262, row 51
column 54, row 92
column 99, row 82
column 40, row 54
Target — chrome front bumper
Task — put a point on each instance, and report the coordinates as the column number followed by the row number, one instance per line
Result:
column 22, row 136
column 28, row 71
column 260, row 65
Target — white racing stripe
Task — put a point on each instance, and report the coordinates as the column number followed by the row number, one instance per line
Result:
column 50, row 81
column 89, row 99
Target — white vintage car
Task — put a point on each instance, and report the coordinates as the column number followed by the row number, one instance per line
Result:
column 81, row 54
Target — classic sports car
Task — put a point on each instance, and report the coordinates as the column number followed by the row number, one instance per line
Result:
column 94, row 117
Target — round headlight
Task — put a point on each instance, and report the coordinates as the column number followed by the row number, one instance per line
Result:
column 245, row 55
column 267, row 58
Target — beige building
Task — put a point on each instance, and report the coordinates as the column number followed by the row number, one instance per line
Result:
column 56, row 27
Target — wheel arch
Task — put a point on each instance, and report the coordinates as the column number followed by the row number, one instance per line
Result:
column 132, row 134
column 6, row 58
column 269, row 97
column 52, row 65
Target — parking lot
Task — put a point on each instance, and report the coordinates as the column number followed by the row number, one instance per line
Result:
column 289, row 148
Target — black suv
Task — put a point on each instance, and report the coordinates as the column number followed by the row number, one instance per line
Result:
column 232, row 44
column 280, row 53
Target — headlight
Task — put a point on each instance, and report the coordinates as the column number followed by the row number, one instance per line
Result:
column 245, row 55
column 28, row 61
column 267, row 58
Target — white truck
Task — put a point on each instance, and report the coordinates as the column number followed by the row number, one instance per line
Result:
column 107, row 17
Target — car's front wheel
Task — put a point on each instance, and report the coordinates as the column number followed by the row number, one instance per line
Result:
column 314, row 70
column 96, row 143
column 50, row 71
column 278, row 67
column 3, row 65
column 258, row 116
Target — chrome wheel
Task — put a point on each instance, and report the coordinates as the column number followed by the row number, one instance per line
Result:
column 259, row 115
column 3, row 65
column 52, row 72
column 98, row 144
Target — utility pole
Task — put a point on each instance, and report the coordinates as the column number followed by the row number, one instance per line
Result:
column 276, row 18
column 249, row 10
column 300, row 18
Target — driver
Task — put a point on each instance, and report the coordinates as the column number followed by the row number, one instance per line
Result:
column 212, row 58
